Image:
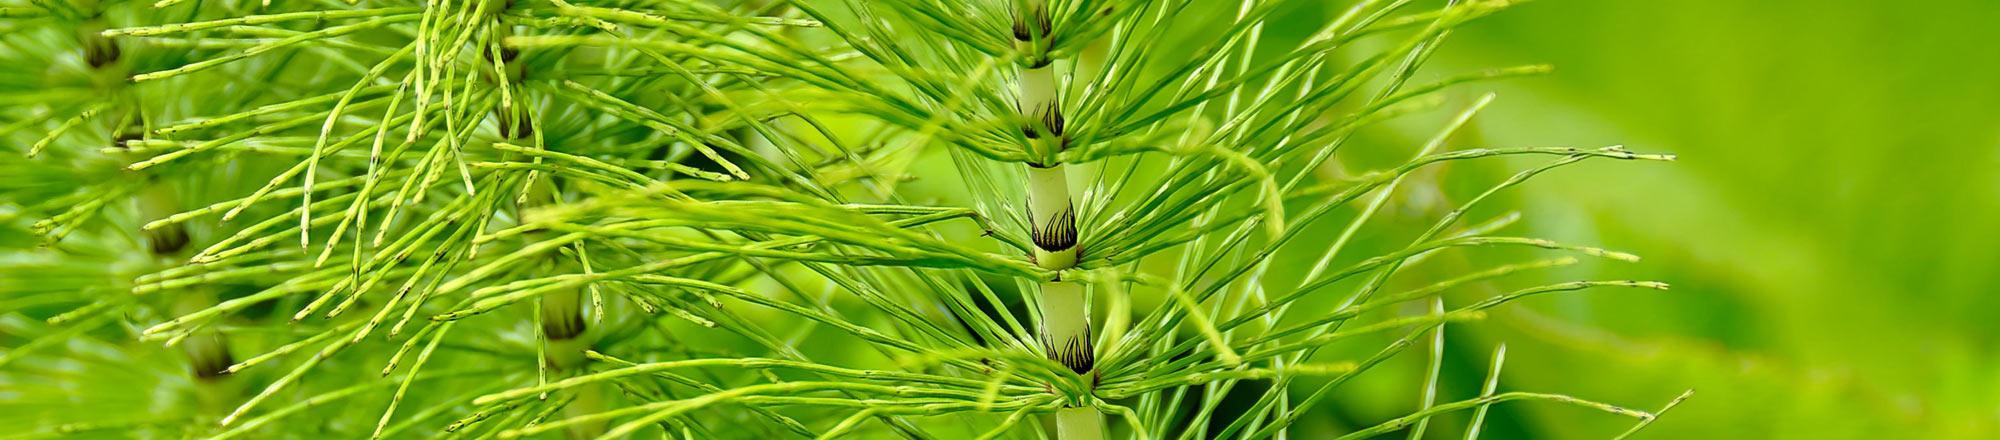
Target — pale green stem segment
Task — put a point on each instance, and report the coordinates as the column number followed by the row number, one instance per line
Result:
column 1036, row 89
column 207, row 350
column 562, row 319
column 562, row 324
column 98, row 50
column 568, row 355
column 565, row 342
column 1052, row 218
column 1066, row 326
column 1083, row 423
column 1052, row 228
column 157, row 200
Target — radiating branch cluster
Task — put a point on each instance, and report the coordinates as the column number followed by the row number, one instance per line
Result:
column 743, row 218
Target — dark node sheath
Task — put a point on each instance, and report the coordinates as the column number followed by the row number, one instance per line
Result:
column 213, row 362
column 562, row 328
column 168, row 240
column 1075, row 353
column 1057, row 235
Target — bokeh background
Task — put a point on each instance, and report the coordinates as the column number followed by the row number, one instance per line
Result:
column 1830, row 227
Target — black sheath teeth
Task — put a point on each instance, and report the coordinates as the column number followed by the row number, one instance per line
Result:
column 1058, row 235
column 1021, row 30
column 168, row 240
column 100, row 52
column 1052, row 118
column 562, row 328
column 1075, row 353
column 516, row 124
column 213, row 361
column 1042, row 20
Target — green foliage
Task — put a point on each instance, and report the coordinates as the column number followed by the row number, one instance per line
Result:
column 737, row 219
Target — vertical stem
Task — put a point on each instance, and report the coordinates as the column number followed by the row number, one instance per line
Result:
column 207, row 350
column 1051, row 213
column 157, row 200
column 1066, row 335
column 1065, row 310
column 1052, row 217
column 102, row 54
column 562, row 332
column 1066, row 326
column 563, row 326
column 1042, row 109
column 562, row 317
column 98, row 51
column 1082, row 423
column 561, row 311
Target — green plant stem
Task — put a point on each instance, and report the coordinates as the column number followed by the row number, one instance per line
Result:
column 1066, row 335
column 563, row 326
column 561, row 312
column 1066, row 326
column 1051, row 218
column 1037, row 90
column 207, row 350
column 1080, row 423
column 1051, row 215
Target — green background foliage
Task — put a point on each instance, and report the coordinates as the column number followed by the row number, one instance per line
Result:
column 1830, row 228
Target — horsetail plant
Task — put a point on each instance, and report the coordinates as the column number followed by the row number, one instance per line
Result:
column 733, row 219
column 1051, row 212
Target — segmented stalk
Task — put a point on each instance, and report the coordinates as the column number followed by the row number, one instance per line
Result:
column 1051, row 213
column 562, row 319
column 207, row 350
column 561, row 311
column 1066, row 333
column 563, row 326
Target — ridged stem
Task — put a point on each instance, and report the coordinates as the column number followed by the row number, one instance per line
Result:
column 1081, row 423
column 1066, row 335
column 1052, row 225
column 1052, row 218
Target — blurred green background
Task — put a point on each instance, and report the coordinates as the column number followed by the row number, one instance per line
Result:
column 1830, row 228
